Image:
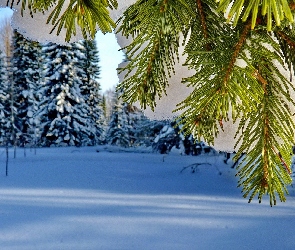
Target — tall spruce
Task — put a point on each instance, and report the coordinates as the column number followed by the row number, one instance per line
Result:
column 5, row 110
column 26, row 74
column 88, row 71
column 63, row 111
column 237, row 71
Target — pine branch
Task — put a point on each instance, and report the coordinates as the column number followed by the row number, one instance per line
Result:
column 237, row 50
column 286, row 38
column 243, row 10
column 155, row 27
column 268, row 132
column 220, row 84
column 203, row 22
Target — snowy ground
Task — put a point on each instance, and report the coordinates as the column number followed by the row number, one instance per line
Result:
column 77, row 198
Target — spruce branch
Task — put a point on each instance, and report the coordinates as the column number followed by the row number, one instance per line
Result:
column 156, row 27
column 237, row 50
column 243, row 10
column 267, row 136
column 203, row 22
column 286, row 39
column 220, row 84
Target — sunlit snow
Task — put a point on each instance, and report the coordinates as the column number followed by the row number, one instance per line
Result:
column 36, row 28
column 105, row 198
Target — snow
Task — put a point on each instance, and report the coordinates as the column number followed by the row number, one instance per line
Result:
column 37, row 28
column 78, row 198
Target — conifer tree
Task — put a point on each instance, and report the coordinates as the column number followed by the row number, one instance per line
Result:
column 138, row 129
column 8, row 119
column 110, row 96
column 27, row 74
column 118, row 132
column 5, row 125
column 104, row 106
column 237, row 60
column 88, row 71
column 63, row 110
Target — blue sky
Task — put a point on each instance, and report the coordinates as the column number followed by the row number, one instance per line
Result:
column 109, row 55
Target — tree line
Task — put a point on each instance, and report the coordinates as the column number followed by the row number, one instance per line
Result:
column 50, row 96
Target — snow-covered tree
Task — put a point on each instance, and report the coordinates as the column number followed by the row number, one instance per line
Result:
column 129, row 126
column 110, row 100
column 5, row 110
column 170, row 136
column 7, row 86
column 3, row 74
column 88, row 71
column 139, row 126
column 118, row 132
column 104, row 106
column 63, row 112
column 26, row 75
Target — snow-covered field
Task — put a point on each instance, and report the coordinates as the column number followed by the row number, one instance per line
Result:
column 77, row 198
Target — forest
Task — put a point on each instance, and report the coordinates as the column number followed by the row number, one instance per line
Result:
column 50, row 96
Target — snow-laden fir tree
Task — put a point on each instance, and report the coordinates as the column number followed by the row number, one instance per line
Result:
column 88, row 71
column 128, row 126
column 5, row 109
column 139, row 126
column 63, row 110
column 26, row 75
column 119, row 128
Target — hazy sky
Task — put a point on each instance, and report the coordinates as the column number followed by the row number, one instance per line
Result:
column 109, row 55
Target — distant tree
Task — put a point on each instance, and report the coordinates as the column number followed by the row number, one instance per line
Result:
column 139, row 126
column 104, row 106
column 110, row 100
column 170, row 136
column 118, row 132
column 129, row 126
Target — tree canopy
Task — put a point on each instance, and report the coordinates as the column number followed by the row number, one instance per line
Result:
column 238, row 51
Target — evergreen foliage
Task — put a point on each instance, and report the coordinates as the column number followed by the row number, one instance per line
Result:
column 118, row 132
column 60, row 104
column 26, row 75
column 129, row 127
column 5, row 111
column 238, row 76
column 170, row 137
column 148, row 130
column 88, row 70
column 88, row 15
column 166, row 139
column 64, row 111
column 238, row 66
